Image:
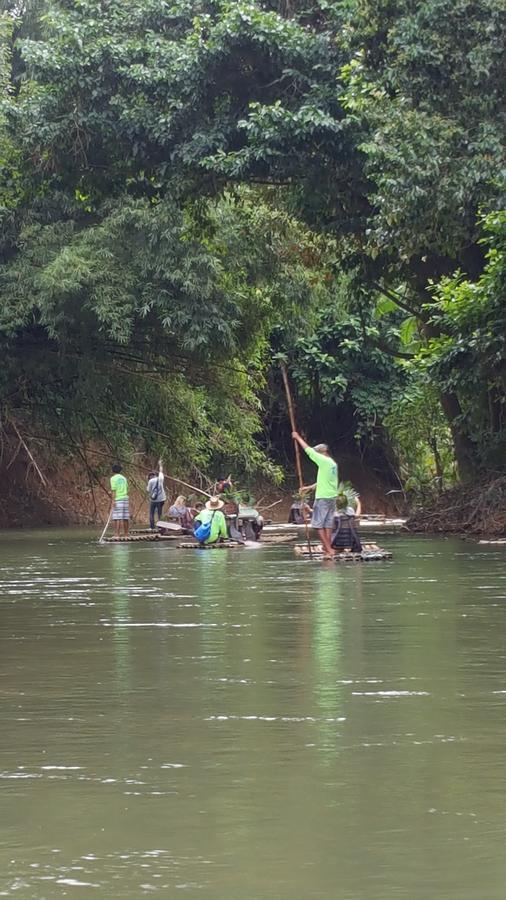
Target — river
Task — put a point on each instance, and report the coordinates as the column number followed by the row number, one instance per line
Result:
column 245, row 725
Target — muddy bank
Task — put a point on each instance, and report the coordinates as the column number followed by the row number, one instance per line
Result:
column 52, row 490
column 477, row 509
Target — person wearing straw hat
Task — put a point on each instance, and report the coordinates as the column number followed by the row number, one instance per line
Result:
column 212, row 521
column 324, row 508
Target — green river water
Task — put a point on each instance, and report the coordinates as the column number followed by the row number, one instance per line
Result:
column 245, row 725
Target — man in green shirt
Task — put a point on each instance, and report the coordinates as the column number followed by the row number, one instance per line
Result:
column 120, row 507
column 324, row 509
column 212, row 514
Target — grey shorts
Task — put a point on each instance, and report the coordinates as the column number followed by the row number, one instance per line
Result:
column 323, row 513
column 121, row 510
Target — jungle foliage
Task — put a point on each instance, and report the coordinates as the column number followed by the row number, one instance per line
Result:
column 188, row 187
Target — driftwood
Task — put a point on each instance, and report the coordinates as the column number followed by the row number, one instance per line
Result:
column 22, row 443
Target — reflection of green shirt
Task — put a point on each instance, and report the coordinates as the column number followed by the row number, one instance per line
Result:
column 119, row 485
column 326, row 481
column 218, row 524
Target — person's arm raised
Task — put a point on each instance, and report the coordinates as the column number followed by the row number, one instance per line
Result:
column 300, row 440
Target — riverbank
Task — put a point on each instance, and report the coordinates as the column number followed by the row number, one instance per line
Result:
column 38, row 488
column 477, row 510
column 74, row 491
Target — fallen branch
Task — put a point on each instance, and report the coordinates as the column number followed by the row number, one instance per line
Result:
column 263, row 508
column 29, row 454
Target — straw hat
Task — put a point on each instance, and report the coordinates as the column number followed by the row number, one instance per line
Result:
column 214, row 503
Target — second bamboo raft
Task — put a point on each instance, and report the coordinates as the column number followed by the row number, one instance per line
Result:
column 370, row 553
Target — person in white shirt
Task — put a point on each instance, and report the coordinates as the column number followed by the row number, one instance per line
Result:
column 156, row 493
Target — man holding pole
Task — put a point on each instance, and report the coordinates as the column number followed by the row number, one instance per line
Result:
column 324, row 509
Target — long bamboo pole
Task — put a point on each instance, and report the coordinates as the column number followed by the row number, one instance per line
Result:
column 298, row 465
column 191, row 486
column 102, row 536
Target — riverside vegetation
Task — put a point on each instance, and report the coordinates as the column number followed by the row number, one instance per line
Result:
column 191, row 188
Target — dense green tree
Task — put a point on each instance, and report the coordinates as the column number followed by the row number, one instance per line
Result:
column 381, row 125
column 469, row 353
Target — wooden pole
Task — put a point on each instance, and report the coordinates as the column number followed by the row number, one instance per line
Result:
column 106, row 527
column 191, row 486
column 298, row 465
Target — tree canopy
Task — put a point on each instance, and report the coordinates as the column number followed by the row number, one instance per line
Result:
column 188, row 187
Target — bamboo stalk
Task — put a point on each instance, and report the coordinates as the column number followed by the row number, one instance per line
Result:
column 298, row 465
column 191, row 486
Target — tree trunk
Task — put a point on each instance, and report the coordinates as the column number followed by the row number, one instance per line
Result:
column 465, row 455
column 463, row 447
column 438, row 464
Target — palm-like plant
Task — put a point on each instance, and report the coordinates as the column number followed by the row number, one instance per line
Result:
column 346, row 495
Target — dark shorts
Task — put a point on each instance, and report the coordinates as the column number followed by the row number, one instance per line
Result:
column 323, row 513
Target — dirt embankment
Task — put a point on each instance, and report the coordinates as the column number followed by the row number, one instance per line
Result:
column 61, row 491
column 480, row 509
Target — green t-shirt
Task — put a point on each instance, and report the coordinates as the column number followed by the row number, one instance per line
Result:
column 119, row 485
column 218, row 524
column 326, row 481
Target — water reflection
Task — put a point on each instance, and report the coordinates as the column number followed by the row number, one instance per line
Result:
column 120, row 556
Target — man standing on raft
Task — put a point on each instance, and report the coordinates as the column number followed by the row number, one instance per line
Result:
column 324, row 508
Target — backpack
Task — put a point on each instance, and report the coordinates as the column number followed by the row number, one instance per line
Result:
column 203, row 530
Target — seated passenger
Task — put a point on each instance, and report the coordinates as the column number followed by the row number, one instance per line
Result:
column 213, row 520
column 257, row 526
column 345, row 536
column 179, row 510
column 300, row 512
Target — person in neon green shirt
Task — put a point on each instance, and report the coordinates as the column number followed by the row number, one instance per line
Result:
column 324, row 509
column 120, row 507
column 213, row 514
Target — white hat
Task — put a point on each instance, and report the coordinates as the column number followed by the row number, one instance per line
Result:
column 214, row 503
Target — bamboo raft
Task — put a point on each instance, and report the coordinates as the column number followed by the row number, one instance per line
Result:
column 141, row 537
column 226, row 545
column 370, row 553
column 371, row 523
column 137, row 531
column 146, row 536
column 270, row 541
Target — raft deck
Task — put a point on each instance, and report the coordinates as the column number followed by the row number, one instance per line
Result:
column 370, row 553
column 142, row 537
column 269, row 541
column 226, row 545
